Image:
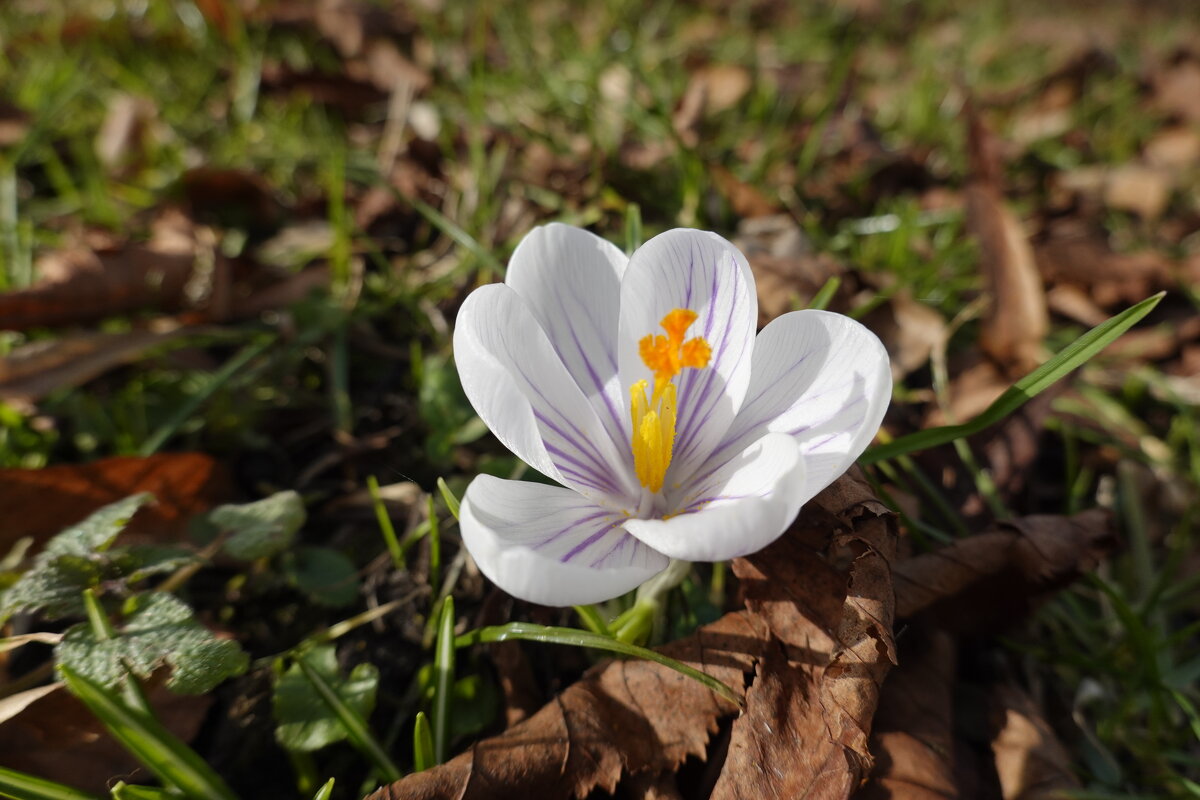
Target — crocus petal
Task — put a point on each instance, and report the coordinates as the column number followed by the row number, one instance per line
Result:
column 822, row 378
column 571, row 280
column 524, row 394
column 702, row 272
column 549, row 545
column 740, row 508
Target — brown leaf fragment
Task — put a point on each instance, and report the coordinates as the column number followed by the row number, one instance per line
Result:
column 1031, row 762
column 41, row 502
column 1069, row 252
column 1016, row 322
column 808, row 712
column 56, row 736
column 82, row 283
column 990, row 580
column 34, row 370
column 913, row 737
column 910, row 331
column 622, row 716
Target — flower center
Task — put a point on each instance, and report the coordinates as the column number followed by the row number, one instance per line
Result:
column 654, row 418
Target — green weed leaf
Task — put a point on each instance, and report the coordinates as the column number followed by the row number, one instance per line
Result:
column 73, row 560
column 260, row 529
column 306, row 723
column 160, row 629
column 326, row 575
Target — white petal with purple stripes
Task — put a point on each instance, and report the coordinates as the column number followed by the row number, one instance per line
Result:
column 823, row 379
column 521, row 390
column 741, row 507
column 701, row 272
column 571, row 280
column 550, row 545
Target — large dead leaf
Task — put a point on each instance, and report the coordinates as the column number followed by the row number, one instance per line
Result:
column 817, row 640
column 1031, row 762
column 85, row 283
column 1016, row 322
column 990, row 580
column 56, row 736
column 913, row 737
column 34, row 370
column 41, row 502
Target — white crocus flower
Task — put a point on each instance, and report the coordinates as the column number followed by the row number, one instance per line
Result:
column 640, row 386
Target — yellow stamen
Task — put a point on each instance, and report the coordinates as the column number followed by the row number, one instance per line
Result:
column 654, row 418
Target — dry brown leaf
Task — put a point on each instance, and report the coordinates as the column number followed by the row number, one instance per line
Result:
column 746, row 201
column 1070, row 252
column 990, row 580
column 712, row 88
column 58, row 737
column 1139, row 189
column 1177, row 87
column 41, row 502
column 34, row 370
column 1176, row 147
column 1031, row 762
column 1014, row 325
column 82, row 284
column 14, row 124
column 125, row 126
column 818, row 640
column 909, row 330
column 913, row 737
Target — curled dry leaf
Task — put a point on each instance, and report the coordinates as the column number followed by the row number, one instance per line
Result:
column 43, row 502
column 81, row 284
column 816, row 639
column 1014, row 326
column 55, row 735
column 913, row 737
column 34, row 370
column 1031, row 762
column 992, row 579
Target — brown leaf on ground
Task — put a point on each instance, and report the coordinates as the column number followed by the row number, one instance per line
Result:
column 34, row 370
column 41, row 502
column 58, row 737
column 1072, row 253
column 1177, row 87
column 712, row 88
column 1016, row 322
column 909, row 330
column 126, row 128
column 81, row 284
column 746, row 201
column 816, row 638
column 14, row 124
column 913, row 736
column 1031, row 762
column 988, row 581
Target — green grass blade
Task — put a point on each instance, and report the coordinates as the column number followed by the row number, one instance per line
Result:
column 448, row 496
column 435, row 550
column 188, row 407
column 422, row 744
column 821, row 299
column 325, row 792
column 385, row 524
column 356, row 727
column 633, row 228
column 21, row 786
column 592, row 620
column 176, row 764
column 443, row 687
column 578, row 638
column 443, row 223
column 125, row 791
column 1071, row 357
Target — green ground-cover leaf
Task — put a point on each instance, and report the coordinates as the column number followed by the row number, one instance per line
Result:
column 260, row 529
column 306, row 723
column 159, row 630
column 73, row 560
